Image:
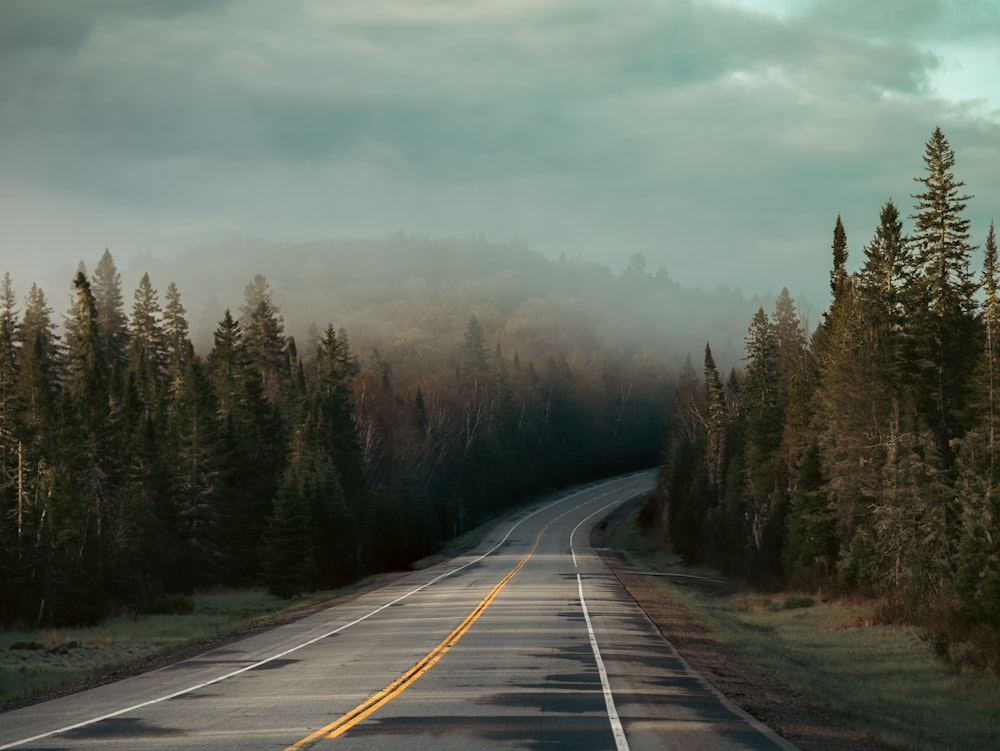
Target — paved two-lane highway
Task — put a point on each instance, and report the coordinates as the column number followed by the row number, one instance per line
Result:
column 528, row 642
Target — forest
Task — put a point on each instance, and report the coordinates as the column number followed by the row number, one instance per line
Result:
column 145, row 454
column 861, row 458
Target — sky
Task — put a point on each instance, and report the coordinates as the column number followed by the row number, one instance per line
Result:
column 718, row 138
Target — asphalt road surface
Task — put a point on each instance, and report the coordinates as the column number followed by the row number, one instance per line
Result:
column 527, row 642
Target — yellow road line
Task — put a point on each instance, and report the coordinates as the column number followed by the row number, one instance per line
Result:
column 373, row 703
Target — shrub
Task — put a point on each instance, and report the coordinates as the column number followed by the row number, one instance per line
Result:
column 171, row 605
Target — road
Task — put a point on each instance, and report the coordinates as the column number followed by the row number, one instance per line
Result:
column 526, row 642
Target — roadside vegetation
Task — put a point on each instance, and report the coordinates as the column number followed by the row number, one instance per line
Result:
column 42, row 662
column 39, row 662
column 861, row 458
column 137, row 465
column 837, row 653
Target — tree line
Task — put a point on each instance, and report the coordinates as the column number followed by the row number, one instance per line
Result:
column 133, row 466
column 862, row 457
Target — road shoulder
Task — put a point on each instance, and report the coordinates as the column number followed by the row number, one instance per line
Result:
column 788, row 715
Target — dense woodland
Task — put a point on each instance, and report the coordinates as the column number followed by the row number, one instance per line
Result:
column 863, row 457
column 136, row 464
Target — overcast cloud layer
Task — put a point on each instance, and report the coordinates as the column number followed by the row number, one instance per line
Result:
column 719, row 139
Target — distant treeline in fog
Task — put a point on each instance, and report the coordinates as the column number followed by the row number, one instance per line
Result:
column 428, row 385
column 411, row 295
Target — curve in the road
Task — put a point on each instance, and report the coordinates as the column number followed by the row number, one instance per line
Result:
column 351, row 718
column 359, row 713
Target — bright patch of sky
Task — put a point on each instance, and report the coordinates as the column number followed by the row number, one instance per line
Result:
column 970, row 74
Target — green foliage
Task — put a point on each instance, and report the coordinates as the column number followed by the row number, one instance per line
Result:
column 135, row 469
column 288, row 555
column 171, row 605
column 866, row 458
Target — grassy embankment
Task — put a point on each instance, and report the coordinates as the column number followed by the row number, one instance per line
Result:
column 882, row 679
column 36, row 663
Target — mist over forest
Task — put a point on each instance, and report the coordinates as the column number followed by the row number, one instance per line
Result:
column 411, row 296
column 201, row 422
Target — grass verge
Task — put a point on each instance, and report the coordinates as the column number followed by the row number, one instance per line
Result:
column 35, row 663
column 877, row 678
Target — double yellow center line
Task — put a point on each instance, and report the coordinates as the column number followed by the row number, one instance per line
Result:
column 345, row 722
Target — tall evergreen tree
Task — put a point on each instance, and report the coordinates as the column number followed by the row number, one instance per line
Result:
column 944, row 320
column 147, row 358
column 78, row 540
column 175, row 331
column 193, row 480
column 475, row 362
column 763, row 410
column 838, row 274
column 886, row 267
column 263, row 336
column 9, row 395
column 332, row 406
column 250, row 448
column 685, row 476
column 978, row 484
column 717, row 424
column 38, row 381
column 39, row 366
column 111, row 320
column 288, row 559
column 990, row 318
column 11, row 449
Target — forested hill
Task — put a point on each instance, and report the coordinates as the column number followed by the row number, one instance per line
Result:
column 299, row 416
column 411, row 297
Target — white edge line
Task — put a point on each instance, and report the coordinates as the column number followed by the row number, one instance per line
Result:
column 621, row 742
column 234, row 673
column 572, row 547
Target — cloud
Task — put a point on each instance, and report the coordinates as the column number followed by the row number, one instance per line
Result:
column 589, row 129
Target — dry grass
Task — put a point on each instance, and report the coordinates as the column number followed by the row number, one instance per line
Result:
column 840, row 654
column 34, row 663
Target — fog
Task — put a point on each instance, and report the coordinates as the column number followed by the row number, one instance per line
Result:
column 411, row 297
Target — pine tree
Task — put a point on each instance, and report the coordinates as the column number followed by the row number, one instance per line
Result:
column 193, row 470
column 39, row 367
column 990, row 319
column 978, row 485
column 717, row 424
column 859, row 394
column 331, row 404
column 111, row 321
column 147, row 358
column 763, row 409
column 288, row 561
column 838, row 274
column 904, row 547
column 86, row 364
column 38, row 395
column 175, row 332
column 475, row 363
column 944, row 317
column 78, row 541
column 11, row 451
column 9, row 396
column 685, row 476
column 250, row 448
column 887, row 264
column 263, row 335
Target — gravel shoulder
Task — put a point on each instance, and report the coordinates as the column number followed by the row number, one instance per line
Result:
column 790, row 716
